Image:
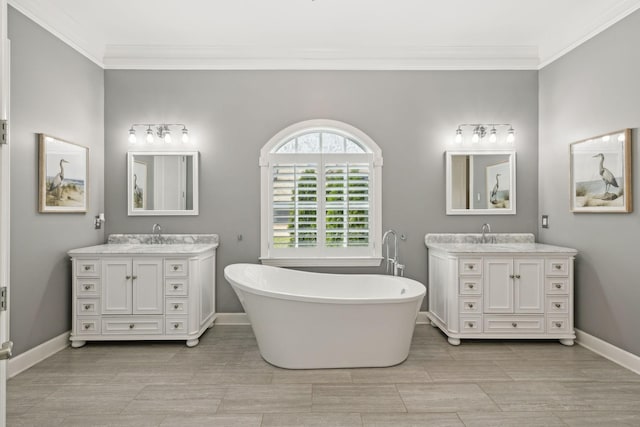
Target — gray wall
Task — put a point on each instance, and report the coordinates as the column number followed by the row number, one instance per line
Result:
column 57, row 91
column 594, row 89
column 412, row 116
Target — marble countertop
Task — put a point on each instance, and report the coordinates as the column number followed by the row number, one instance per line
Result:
column 492, row 248
column 180, row 244
column 142, row 248
column 505, row 243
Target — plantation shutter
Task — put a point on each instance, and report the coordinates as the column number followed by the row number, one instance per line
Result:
column 347, row 204
column 295, row 205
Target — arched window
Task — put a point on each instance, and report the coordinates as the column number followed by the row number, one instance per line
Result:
column 321, row 187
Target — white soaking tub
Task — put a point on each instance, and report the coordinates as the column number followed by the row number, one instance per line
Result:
column 308, row 320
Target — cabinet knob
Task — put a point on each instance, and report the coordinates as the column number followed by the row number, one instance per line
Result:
column 557, row 266
column 472, row 325
column 87, row 287
column 558, row 305
column 127, row 277
column 87, row 267
column 470, row 305
column 131, row 325
column 87, row 306
column 517, row 276
column 512, row 276
column 470, row 266
column 558, row 324
column 176, row 306
column 87, row 325
column 514, row 324
column 175, row 287
column 470, row 285
column 558, row 285
column 135, row 277
column 176, row 325
column 175, row 268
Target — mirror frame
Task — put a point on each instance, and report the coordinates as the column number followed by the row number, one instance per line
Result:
column 512, row 177
column 148, row 212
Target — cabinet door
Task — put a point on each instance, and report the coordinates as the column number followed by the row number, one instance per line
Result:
column 498, row 285
column 529, row 285
column 116, row 286
column 147, row 286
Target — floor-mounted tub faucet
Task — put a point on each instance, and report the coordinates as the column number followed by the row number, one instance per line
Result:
column 393, row 264
column 157, row 233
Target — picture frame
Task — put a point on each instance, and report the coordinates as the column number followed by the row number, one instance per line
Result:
column 600, row 174
column 63, row 176
column 498, row 185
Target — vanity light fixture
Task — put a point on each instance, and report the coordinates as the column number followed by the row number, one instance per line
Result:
column 480, row 131
column 161, row 130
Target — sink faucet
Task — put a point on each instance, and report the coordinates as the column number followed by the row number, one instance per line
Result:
column 486, row 228
column 156, row 230
column 393, row 264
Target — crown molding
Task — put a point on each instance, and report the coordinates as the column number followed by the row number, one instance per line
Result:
column 255, row 58
column 46, row 15
column 613, row 16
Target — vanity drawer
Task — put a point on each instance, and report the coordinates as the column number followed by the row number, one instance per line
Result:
column 88, row 268
column 471, row 324
column 470, row 267
column 176, row 325
column 176, row 287
column 558, row 324
column 513, row 324
column 87, row 307
column 132, row 325
column 470, row 305
column 176, row 306
column 557, row 304
column 176, row 267
column 557, row 286
column 87, row 288
column 87, row 325
column 557, row 267
column 470, row 286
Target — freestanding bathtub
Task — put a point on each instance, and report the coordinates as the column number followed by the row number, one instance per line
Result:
column 308, row 320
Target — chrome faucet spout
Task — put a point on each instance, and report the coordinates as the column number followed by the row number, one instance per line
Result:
column 393, row 265
column 486, row 228
column 157, row 233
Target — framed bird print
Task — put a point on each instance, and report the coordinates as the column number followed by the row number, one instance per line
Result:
column 601, row 174
column 498, row 189
column 63, row 182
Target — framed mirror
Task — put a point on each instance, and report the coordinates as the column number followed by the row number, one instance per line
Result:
column 481, row 182
column 162, row 183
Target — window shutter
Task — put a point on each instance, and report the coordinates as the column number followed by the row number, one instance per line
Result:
column 295, row 205
column 347, row 207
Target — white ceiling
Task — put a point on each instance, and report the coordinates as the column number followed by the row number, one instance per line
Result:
column 325, row 34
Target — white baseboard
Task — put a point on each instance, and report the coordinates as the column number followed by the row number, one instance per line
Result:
column 609, row 351
column 423, row 318
column 25, row 360
column 232, row 319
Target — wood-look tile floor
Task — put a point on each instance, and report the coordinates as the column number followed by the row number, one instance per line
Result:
column 224, row 382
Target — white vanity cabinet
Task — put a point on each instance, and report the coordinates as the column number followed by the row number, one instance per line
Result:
column 508, row 290
column 143, row 292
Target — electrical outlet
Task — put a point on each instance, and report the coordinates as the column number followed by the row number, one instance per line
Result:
column 545, row 221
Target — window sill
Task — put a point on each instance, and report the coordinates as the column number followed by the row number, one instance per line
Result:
column 323, row 262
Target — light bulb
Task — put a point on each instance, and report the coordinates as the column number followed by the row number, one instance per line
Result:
column 511, row 136
column 492, row 135
column 150, row 135
column 606, row 138
column 458, row 135
column 621, row 137
column 185, row 135
column 476, row 136
column 167, row 136
column 132, row 136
